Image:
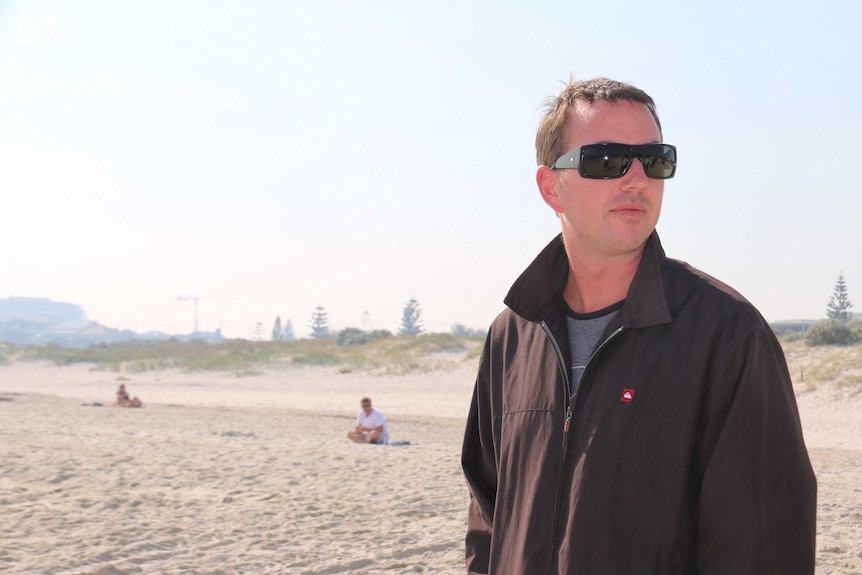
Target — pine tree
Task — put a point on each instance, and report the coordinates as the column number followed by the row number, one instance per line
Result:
column 277, row 334
column 319, row 323
column 288, row 331
column 411, row 323
column 839, row 304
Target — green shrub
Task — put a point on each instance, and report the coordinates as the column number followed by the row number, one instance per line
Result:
column 379, row 334
column 352, row 336
column 355, row 336
column 830, row 332
column 790, row 336
column 460, row 330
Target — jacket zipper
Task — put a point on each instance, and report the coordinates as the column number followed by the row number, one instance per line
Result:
column 564, row 371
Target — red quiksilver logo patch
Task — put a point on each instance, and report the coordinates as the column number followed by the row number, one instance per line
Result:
column 628, row 395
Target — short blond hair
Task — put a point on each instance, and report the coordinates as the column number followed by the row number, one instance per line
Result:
column 550, row 137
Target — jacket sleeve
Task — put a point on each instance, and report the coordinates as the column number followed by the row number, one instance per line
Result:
column 479, row 463
column 758, row 490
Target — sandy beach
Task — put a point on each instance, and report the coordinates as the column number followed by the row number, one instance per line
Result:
column 224, row 474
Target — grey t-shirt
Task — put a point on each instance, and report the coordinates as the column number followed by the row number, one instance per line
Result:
column 585, row 329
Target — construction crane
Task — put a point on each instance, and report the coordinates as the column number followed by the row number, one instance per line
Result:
column 194, row 298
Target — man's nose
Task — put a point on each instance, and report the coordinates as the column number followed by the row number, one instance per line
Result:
column 635, row 176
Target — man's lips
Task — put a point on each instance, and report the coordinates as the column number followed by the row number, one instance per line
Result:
column 630, row 209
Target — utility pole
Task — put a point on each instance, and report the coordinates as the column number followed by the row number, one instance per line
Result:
column 195, row 299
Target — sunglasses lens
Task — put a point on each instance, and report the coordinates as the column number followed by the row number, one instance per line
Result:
column 659, row 161
column 603, row 161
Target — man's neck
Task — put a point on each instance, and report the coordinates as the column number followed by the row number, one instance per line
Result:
column 596, row 283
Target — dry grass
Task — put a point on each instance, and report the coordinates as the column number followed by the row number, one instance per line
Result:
column 836, row 370
column 392, row 355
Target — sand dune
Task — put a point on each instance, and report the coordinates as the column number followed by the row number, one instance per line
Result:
column 254, row 475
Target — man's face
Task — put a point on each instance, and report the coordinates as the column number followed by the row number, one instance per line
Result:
column 366, row 407
column 605, row 218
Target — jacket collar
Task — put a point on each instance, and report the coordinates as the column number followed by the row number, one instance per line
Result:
column 537, row 294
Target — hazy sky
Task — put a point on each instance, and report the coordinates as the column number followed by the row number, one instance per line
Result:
column 271, row 156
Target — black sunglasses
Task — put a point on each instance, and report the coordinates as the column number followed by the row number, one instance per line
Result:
column 609, row 161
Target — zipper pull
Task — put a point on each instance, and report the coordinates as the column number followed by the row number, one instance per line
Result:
column 568, row 419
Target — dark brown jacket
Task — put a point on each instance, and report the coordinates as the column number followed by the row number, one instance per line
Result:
column 700, row 470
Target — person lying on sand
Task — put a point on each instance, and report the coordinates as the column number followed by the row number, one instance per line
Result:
column 371, row 426
column 123, row 398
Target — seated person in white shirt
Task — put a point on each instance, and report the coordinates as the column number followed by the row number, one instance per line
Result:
column 371, row 426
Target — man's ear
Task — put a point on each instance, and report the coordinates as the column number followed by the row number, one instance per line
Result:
column 549, row 184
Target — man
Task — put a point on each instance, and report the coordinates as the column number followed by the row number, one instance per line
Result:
column 371, row 426
column 631, row 415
